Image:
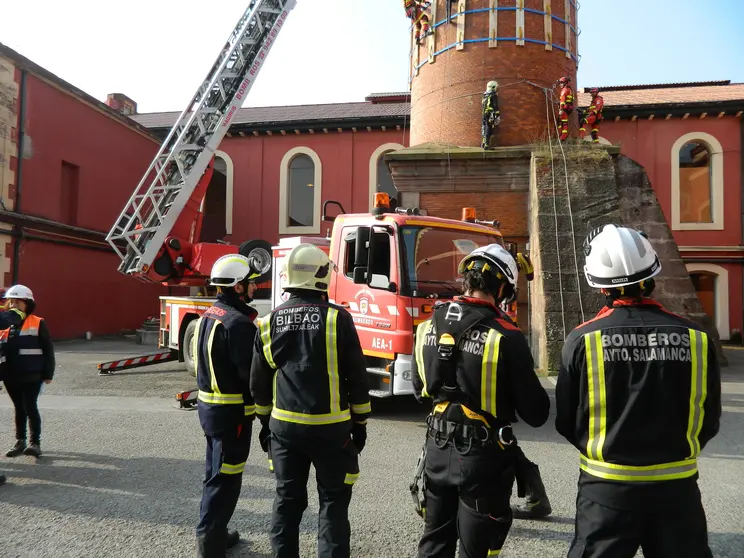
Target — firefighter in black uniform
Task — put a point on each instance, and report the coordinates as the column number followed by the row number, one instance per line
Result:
column 639, row 395
column 476, row 366
column 308, row 349
column 223, row 350
column 491, row 116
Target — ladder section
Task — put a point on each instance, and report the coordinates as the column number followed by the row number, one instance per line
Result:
column 168, row 184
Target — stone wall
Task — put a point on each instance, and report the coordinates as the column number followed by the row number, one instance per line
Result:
column 604, row 188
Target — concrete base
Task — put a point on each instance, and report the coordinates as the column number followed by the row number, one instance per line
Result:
column 147, row 337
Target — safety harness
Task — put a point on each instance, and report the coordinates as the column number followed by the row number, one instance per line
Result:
column 450, row 325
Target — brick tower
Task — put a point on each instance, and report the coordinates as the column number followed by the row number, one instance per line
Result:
column 525, row 45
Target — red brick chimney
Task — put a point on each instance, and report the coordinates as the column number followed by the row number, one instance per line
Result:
column 121, row 103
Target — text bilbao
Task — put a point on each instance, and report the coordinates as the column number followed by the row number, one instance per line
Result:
column 471, row 342
column 646, row 346
column 297, row 318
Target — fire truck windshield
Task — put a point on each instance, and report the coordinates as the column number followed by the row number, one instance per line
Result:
column 431, row 256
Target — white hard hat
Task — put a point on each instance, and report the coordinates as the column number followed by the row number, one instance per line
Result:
column 491, row 85
column 19, row 291
column 230, row 270
column 618, row 257
column 492, row 255
column 308, row 267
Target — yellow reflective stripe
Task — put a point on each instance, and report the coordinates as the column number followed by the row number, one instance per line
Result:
column 305, row 418
column 332, row 360
column 271, row 466
column 597, row 395
column 361, row 409
column 19, row 312
column 263, row 409
column 639, row 473
column 212, row 376
column 351, row 478
column 227, row 469
column 249, row 410
column 221, row 398
column 361, row 421
column 195, row 346
column 264, row 327
column 422, row 331
column 489, row 364
column 698, row 388
column 494, row 552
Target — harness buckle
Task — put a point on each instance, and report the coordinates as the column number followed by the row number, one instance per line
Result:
column 506, row 435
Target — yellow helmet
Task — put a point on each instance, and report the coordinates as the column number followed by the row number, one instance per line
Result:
column 308, row 267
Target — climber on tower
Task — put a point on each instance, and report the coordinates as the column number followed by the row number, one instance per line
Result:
column 491, row 114
column 593, row 116
column 415, row 12
column 566, row 106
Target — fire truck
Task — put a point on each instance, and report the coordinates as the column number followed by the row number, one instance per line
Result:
column 392, row 265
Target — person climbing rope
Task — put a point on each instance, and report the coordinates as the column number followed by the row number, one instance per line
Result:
column 566, row 106
column 491, row 114
column 415, row 11
column 593, row 116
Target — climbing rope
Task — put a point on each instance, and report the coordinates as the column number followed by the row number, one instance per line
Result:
column 555, row 214
column 570, row 213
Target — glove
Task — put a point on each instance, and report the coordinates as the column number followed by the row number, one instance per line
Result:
column 263, row 437
column 359, row 435
column 497, row 121
column 525, row 266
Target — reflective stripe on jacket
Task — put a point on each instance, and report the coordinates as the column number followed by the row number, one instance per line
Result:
column 308, row 366
column 638, row 394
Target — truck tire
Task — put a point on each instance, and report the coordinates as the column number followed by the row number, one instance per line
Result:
column 261, row 250
column 186, row 347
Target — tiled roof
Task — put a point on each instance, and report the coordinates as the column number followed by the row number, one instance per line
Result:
column 669, row 95
column 653, row 95
column 266, row 116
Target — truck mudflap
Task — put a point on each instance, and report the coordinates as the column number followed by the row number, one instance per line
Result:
column 108, row 368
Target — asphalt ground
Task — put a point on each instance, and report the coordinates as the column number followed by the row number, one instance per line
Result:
column 122, row 469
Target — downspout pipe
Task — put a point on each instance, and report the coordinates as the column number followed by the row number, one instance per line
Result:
column 741, row 190
column 19, row 172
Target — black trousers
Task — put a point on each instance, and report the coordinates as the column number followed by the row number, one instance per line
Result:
column 467, row 498
column 336, row 465
column 25, row 397
column 679, row 531
column 226, row 457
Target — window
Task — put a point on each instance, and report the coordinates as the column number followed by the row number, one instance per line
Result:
column 697, row 183
column 380, row 261
column 380, row 179
column 711, row 283
column 69, row 192
column 300, row 192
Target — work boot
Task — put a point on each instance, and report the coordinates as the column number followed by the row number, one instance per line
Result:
column 536, row 503
column 233, row 538
column 17, row 449
column 3, row 479
column 209, row 546
column 33, row 449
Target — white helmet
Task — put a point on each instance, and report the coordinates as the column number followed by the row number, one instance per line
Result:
column 493, row 254
column 231, row 269
column 308, row 267
column 19, row 291
column 618, row 257
column 492, row 86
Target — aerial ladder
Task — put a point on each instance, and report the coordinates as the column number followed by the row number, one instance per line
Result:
column 157, row 234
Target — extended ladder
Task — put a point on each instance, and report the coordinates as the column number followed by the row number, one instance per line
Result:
column 150, row 214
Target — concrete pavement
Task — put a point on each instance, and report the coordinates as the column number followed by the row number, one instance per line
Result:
column 122, row 470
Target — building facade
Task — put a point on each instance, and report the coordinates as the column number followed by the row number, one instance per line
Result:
column 68, row 164
column 282, row 163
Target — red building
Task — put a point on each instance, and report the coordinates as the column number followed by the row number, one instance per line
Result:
column 281, row 163
column 68, row 163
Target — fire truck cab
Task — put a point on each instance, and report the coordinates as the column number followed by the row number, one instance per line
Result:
column 392, row 267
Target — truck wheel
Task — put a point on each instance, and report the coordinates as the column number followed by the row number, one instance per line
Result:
column 261, row 251
column 188, row 338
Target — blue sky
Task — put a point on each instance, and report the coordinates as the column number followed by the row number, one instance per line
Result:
column 158, row 51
